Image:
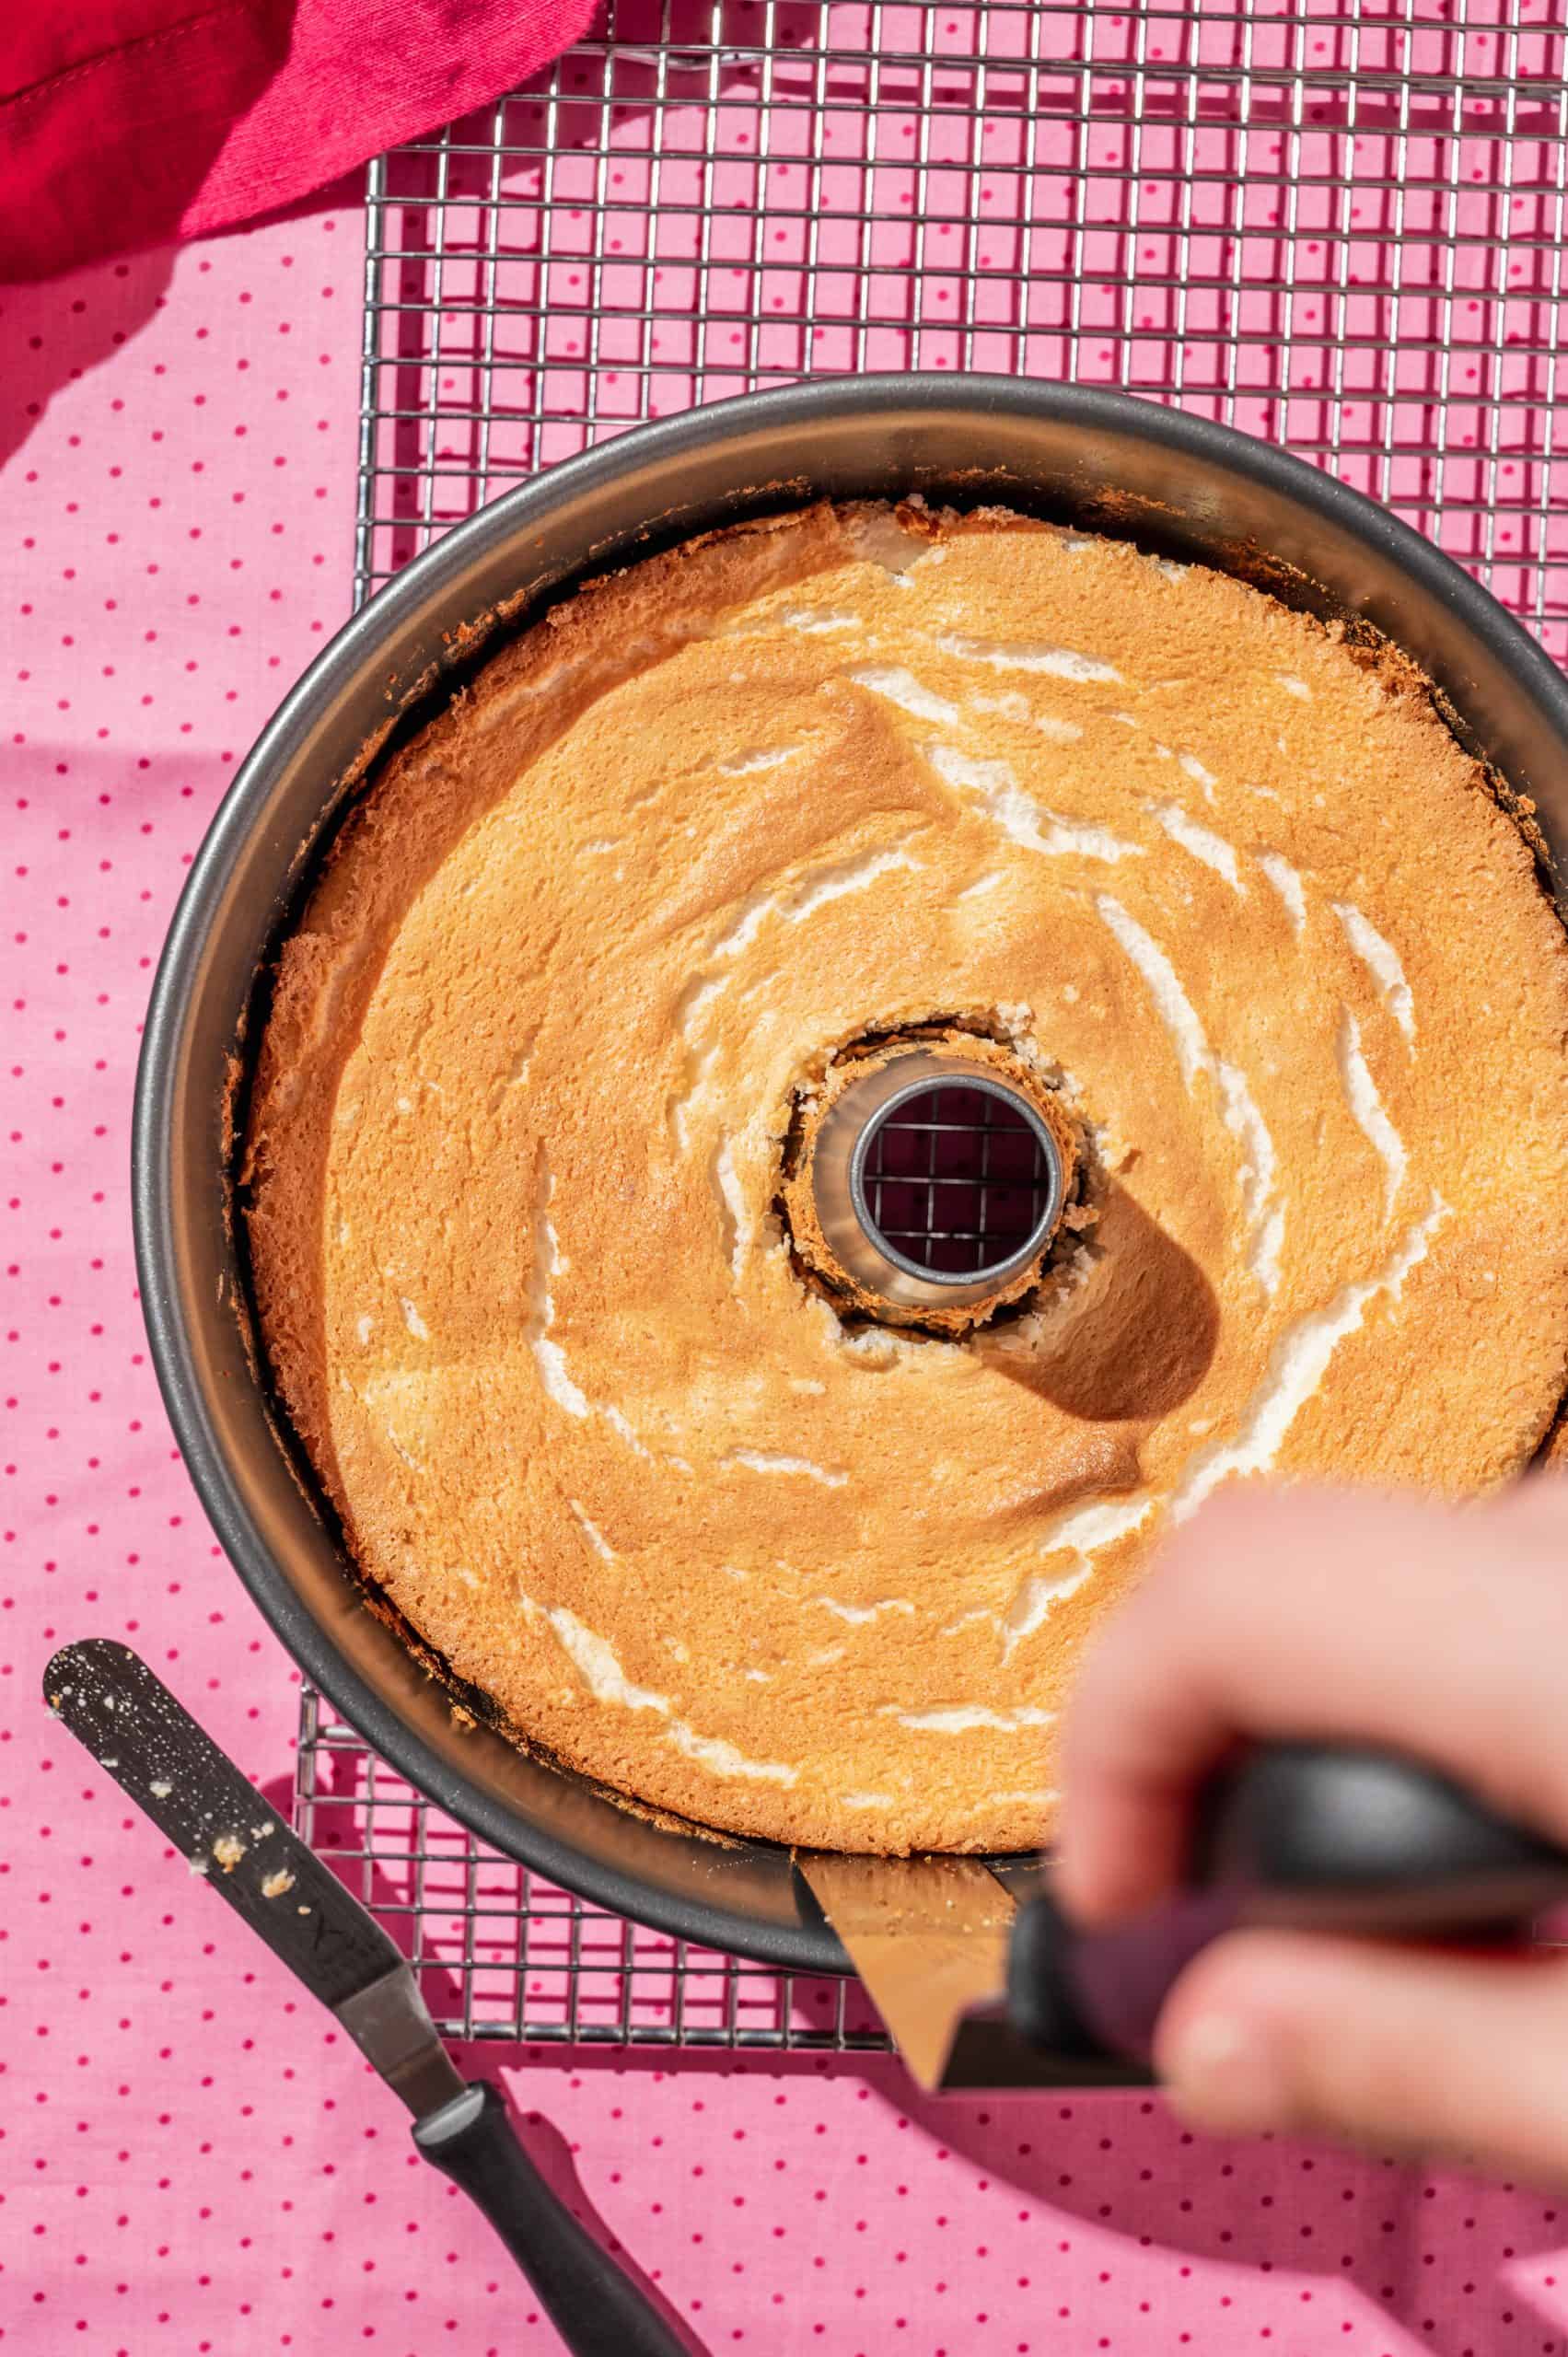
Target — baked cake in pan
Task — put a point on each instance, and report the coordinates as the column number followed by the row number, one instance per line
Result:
column 1216, row 884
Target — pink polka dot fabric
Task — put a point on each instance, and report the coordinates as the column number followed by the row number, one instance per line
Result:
column 191, row 2159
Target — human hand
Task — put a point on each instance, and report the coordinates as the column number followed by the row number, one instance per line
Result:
column 1437, row 1630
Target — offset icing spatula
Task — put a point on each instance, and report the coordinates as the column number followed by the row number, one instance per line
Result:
column 198, row 1799
column 1316, row 1837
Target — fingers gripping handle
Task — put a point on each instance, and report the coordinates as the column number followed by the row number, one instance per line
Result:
column 1313, row 1836
column 598, row 2311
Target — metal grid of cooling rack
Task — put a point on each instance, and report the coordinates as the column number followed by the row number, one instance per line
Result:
column 1339, row 228
column 956, row 1181
column 501, row 1954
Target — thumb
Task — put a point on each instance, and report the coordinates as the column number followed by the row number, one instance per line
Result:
column 1383, row 2044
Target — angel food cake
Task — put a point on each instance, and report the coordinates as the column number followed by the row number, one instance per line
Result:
column 1218, row 886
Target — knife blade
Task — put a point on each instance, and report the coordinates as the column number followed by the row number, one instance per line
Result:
column 1307, row 1836
column 128, row 1720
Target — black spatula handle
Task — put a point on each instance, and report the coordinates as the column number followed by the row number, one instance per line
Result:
column 1313, row 1836
column 193, row 1793
column 598, row 2311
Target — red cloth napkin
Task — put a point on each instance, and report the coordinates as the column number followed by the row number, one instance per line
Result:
column 129, row 123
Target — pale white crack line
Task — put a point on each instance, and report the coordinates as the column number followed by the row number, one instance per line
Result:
column 902, row 687
column 549, row 1356
column 592, row 1532
column 816, row 621
column 1297, row 1367
column 1200, row 842
column 995, row 787
column 1297, row 1363
column 1011, row 705
column 858, row 1614
column 763, row 1461
column 758, row 757
column 1381, row 960
column 1056, row 662
column 1367, row 1109
column 1080, row 1533
column 812, row 891
column 1287, row 881
column 598, row 1666
column 967, row 1718
column 1239, row 1110
column 732, row 1205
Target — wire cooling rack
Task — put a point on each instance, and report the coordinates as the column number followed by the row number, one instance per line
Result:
column 1341, row 229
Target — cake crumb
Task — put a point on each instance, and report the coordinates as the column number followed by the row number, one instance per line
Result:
column 276, row 1885
column 228, row 1848
column 160, row 1788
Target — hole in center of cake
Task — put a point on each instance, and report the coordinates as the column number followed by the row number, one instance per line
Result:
column 956, row 1181
column 932, row 1171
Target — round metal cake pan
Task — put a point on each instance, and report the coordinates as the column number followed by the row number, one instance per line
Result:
column 1098, row 459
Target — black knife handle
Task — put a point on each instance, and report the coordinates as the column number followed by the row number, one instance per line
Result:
column 1306, row 1836
column 598, row 2311
column 1353, row 1838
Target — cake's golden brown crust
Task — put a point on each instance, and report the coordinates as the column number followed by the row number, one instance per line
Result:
column 516, row 1136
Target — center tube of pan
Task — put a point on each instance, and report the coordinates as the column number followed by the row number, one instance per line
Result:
column 936, row 1177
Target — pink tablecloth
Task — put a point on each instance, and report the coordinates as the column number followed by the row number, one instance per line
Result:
column 190, row 2160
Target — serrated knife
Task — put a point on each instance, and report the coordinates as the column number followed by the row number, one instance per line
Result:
column 134, row 1728
column 1311, row 1836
